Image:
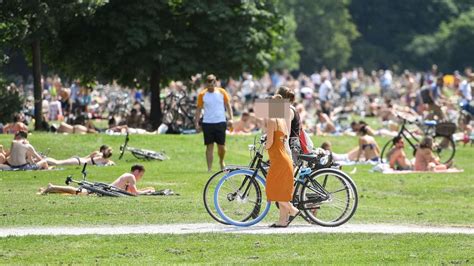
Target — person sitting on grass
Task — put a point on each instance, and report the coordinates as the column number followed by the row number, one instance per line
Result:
column 23, row 155
column 16, row 126
column 367, row 146
column 396, row 156
column 425, row 160
column 245, row 125
column 127, row 182
column 99, row 158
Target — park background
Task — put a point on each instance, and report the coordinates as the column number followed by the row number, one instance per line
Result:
column 158, row 41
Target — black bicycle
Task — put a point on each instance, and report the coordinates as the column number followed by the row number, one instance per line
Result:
column 179, row 112
column 98, row 188
column 326, row 196
column 141, row 153
column 442, row 133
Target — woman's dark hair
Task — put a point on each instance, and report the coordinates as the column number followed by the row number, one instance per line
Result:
column 106, row 151
column 138, row 167
column 286, row 93
column 426, row 143
column 363, row 130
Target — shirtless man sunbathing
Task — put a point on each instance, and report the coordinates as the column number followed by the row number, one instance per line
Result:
column 397, row 157
column 127, row 182
column 22, row 155
column 100, row 158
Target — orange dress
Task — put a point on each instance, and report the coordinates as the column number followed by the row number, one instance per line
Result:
column 279, row 184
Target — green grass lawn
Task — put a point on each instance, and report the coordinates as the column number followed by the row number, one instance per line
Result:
column 424, row 199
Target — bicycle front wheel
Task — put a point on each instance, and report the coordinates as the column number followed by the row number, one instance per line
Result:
column 239, row 200
column 444, row 148
column 329, row 197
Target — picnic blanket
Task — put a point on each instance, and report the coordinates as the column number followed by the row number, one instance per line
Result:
column 8, row 168
column 451, row 170
column 385, row 169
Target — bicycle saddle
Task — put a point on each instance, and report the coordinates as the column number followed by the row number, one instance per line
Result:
column 430, row 123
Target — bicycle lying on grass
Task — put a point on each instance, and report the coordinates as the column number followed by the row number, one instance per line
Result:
column 101, row 189
column 442, row 133
column 326, row 196
column 141, row 153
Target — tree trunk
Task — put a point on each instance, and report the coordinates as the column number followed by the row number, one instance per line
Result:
column 155, row 112
column 38, row 90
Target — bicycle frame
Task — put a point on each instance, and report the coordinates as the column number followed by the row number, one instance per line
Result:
column 404, row 132
column 124, row 146
column 299, row 180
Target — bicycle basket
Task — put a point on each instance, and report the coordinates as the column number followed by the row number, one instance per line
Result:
column 445, row 129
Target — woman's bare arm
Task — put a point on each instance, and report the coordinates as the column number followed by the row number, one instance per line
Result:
column 270, row 126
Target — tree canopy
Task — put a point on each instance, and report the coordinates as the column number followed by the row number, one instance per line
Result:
column 161, row 40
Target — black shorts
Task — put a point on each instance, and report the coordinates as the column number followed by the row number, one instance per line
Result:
column 214, row 133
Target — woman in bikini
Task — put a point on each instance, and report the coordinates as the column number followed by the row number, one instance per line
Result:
column 100, row 158
column 368, row 146
column 425, row 160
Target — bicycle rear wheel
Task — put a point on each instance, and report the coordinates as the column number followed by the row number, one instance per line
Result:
column 386, row 148
column 239, row 200
column 444, row 148
column 329, row 197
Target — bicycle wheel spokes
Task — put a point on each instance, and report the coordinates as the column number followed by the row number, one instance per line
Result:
column 328, row 198
column 239, row 199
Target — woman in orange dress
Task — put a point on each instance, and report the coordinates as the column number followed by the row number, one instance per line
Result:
column 279, row 184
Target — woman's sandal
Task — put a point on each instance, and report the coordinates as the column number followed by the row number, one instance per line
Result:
column 292, row 217
column 278, row 226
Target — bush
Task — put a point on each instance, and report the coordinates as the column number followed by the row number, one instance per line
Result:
column 11, row 102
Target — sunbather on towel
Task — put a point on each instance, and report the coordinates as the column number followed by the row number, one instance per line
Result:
column 396, row 156
column 101, row 158
column 425, row 160
column 126, row 181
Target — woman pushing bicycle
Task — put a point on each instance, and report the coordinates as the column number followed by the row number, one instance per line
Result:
column 279, row 184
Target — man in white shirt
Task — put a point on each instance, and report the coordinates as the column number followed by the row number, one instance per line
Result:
column 465, row 90
column 324, row 91
column 215, row 101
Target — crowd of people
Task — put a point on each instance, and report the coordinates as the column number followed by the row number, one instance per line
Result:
column 324, row 101
column 319, row 105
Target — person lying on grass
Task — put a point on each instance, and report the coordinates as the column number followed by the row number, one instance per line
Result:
column 100, row 158
column 127, row 182
column 22, row 155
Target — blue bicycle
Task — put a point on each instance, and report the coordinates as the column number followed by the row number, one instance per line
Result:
column 326, row 196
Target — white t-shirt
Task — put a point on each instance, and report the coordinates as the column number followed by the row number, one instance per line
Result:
column 466, row 90
column 213, row 104
column 324, row 90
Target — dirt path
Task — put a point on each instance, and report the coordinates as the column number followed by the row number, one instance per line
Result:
column 218, row 228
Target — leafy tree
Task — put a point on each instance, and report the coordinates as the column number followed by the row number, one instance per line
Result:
column 451, row 45
column 289, row 47
column 28, row 24
column 387, row 27
column 325, row 30
column 11, row 102
column 159, row 40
